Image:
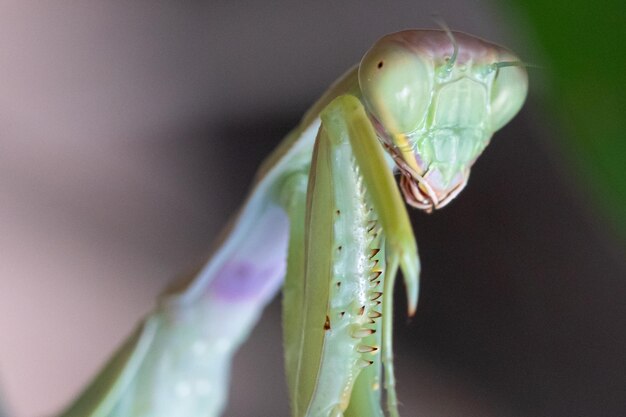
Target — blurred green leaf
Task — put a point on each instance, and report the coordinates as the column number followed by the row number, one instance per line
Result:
column 585, row 46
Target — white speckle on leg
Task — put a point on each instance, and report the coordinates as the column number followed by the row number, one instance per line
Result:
column 183, row 389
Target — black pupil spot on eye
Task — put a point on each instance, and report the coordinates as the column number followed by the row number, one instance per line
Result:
column 380, row 64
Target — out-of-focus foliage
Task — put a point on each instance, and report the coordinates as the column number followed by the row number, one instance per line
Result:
column 585, row 46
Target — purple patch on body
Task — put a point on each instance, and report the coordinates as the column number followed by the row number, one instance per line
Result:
column 242, row 280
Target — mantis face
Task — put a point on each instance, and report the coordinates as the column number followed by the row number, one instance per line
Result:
column 436, row 98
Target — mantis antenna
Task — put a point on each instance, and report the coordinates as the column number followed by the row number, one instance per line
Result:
column 450, row 61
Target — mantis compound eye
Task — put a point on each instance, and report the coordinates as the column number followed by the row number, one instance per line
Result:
column 396, row 83
column 508, row 91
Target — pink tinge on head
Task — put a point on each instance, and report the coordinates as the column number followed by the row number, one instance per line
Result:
column 437, row 45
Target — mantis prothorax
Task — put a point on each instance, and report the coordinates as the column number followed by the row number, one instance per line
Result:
column 325, row 213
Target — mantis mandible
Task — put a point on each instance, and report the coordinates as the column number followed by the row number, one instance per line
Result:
column 325, row 214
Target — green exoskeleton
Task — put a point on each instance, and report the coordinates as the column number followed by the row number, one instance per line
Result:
column 325, row 215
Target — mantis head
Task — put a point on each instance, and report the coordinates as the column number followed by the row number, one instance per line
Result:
column 436, row 98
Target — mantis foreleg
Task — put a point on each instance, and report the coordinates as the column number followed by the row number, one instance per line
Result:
column 334, row 334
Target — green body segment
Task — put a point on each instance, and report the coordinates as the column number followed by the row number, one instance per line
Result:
column 318, row 239
column 347, row 121
column 294, row 199
column 338, row 324
column 340, row 242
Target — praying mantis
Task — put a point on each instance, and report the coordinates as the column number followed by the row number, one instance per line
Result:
column 325, row 220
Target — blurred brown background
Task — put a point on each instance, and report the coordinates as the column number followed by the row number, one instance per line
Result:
column 130, row 131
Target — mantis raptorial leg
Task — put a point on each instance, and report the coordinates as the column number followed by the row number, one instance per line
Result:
column 343, row 232
column 325, row 211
